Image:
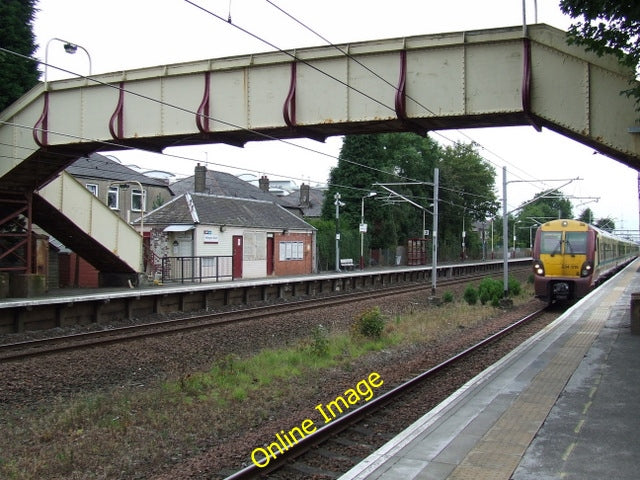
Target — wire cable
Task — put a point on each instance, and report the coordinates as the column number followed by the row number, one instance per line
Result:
column 409, row 97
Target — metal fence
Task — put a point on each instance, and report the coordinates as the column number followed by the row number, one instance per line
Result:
column 197, row 269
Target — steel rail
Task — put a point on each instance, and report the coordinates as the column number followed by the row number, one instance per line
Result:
column 36, row 347
column 345, row 421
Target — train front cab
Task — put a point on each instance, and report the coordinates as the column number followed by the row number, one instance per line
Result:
column 563, row 260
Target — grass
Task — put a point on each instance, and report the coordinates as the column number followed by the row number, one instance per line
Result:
column 234, row 378
column 127, row 430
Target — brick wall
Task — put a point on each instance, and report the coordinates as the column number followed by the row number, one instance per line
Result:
column 293, row 267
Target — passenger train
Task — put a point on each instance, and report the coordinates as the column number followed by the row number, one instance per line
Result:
column 571, row 257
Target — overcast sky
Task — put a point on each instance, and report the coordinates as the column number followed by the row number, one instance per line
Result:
column 122, row 35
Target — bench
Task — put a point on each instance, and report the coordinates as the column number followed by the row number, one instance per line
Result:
column 347, row 263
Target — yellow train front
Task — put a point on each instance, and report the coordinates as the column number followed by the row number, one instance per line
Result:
column 571, row 257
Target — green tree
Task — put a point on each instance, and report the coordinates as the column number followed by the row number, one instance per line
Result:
column 17, row 74
column 608, row 27
column 466, row 198
column 325, row 239
column 586, row 216
column 607, row 224
column 361, row 164
column 408, row 161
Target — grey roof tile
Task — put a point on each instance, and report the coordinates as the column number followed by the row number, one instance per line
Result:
column 103, row 168
column 222, row 184
column 229, row 211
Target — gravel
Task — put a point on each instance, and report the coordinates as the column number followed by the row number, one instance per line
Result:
column 32, row 384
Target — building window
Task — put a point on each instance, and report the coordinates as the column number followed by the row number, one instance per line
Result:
column 112, row 198
column 138, row 200
column 291, row 251
column 93, row 188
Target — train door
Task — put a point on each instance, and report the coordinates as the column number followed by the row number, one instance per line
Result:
column 237, row 256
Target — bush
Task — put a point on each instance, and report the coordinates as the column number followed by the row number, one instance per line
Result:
column 370, row 323
column 447, row 297
column 320, row 344
column 514, row 286
column 490, row 291
column 471, row 295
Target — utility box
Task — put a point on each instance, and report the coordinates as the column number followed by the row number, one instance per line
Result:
column 635, row 313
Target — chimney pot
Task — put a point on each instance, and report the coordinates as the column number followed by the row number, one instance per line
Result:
column 263, row 183
column 200, row 179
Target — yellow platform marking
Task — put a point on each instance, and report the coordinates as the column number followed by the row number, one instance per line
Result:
column 499, row 452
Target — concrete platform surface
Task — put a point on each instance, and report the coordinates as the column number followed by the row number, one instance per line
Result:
column 564, row 405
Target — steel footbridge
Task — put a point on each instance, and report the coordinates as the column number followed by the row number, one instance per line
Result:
column 497, row 77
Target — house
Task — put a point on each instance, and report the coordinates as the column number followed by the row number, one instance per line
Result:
column 258, row 236
column 119, row 186
column 218, row 183
column 228, row 185
column 307, row 200
column 279, row 188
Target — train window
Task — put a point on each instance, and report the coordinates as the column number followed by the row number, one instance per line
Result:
column 551, row 242
column 575, row 243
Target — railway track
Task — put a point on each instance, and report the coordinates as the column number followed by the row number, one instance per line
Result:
column 340, row 444
column 42, row 346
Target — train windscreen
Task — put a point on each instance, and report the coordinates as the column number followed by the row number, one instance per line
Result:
column 575, row 243
column 550, row 242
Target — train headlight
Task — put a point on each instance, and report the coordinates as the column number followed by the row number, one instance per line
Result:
column 587, row 269
column 538, row 267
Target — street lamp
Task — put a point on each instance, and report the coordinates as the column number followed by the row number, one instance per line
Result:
column 69, row 47
column 464, row 234
column 338, row 204
column 363, row 227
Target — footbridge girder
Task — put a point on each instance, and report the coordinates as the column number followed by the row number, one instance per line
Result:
column 481, row 78
column 455, row 80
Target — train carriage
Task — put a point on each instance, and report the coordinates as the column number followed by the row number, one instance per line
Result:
column 571, row 257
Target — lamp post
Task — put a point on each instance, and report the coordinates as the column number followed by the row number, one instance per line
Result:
column 363, row 227
column 338, row 204
column 464, row 234
column 69, row 47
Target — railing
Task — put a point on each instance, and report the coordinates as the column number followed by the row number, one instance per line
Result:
column 196, row 269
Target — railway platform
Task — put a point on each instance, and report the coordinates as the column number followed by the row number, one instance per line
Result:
column 61, row 308
column 564, row 405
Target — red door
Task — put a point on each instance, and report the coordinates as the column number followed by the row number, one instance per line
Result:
column 270, row 244
column 237, row 256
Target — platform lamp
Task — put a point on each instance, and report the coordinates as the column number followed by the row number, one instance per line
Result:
column 363, row 227
column 69, row 47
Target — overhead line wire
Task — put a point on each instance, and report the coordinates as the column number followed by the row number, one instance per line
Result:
column 292, row 55
column 351, row 57
column 234, row 125
column 179, row 108
column 257, row 37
